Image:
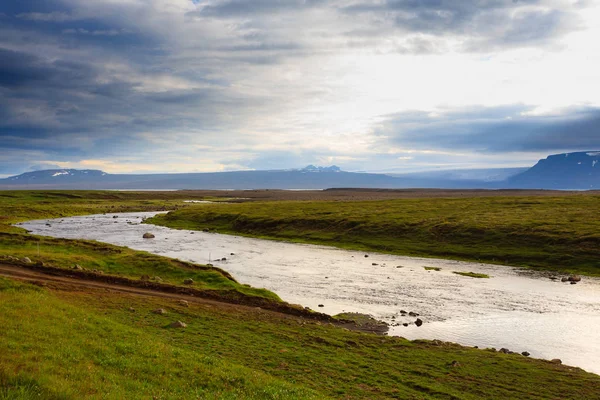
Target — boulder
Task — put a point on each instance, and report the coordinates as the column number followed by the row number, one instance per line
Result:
column 188, row 281
column 184, row 303
column 321, row 305
column 178, row 324
column 366, row 255
column 144, row 278
column 556, row 361
column 419, row 322
column 574, row 278
column 374, row 264
column 78, row 267
column 526, row 353
column 157, row 279
column 504, row 350
column 160, row 311
column 148, row 235
column 564, row 279
column 26, row 260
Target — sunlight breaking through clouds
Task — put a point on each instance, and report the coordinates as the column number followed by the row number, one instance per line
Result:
column 280, row 84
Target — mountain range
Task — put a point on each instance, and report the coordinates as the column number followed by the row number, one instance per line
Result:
column 579, row 171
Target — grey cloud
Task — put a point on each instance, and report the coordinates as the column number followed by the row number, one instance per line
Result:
column 81, row 78
column 245, row 8
column 480, row 23
column 54, row 16
column 494, row 130
column 39, row 167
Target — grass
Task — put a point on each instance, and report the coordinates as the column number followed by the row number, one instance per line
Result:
column 471, row 274
column 61, row 343
column 546, row 233
column 19, row 206
column 89, row 345
column 64, row 351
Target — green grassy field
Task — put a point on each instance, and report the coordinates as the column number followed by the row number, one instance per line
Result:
column 90, row 345
column 18, row 206
column 61, row 342
column 550, row 233
column 94, row 256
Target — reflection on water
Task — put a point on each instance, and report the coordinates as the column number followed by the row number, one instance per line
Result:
column 512, row 309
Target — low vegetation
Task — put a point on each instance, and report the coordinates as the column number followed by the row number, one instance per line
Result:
column 94, row 344
column 549, row 233
column 62, row 341
column 471, row 274
column 99, row 257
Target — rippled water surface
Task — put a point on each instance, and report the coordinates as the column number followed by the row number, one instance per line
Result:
column 512, row 309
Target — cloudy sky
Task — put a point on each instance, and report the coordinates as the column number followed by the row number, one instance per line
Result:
column 369, row 85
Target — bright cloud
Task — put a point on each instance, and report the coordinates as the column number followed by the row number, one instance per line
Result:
column 178, row 85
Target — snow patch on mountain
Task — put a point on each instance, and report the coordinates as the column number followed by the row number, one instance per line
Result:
column 61, row 173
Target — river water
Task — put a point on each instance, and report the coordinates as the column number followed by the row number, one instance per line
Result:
column 514, row 309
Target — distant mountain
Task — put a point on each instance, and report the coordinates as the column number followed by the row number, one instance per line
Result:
column 457, row 175
column 310, row 177
column 54, row 176
column 561, row 171
column 579, row 170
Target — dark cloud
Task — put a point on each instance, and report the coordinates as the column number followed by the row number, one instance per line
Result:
column 18, row 70
column 81, row 79
column 246, row 8
column 495, row 130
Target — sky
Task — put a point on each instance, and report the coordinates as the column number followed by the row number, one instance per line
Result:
column 149, row 86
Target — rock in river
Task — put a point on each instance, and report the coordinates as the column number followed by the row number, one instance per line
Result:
column 148, row 235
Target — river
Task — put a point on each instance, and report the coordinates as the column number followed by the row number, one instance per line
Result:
column 515, row 309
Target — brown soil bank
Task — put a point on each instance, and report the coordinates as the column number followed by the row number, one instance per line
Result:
column 88, row 279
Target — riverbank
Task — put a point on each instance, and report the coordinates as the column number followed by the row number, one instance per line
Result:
column 92, row 343
column 59, row 341
column 538, row 232
column 516, row 309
